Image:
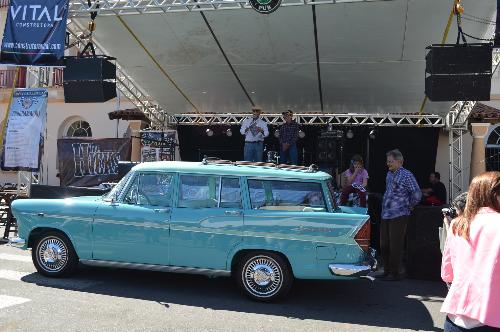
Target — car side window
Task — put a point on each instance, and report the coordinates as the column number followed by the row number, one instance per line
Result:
column 150, row 189
column 230, row 196
column 199, row 191
column 286, row 195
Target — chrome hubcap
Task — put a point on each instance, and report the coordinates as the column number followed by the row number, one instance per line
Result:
column 52, row 254
column 262, row 276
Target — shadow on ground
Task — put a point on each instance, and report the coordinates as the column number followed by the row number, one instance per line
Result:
column 381, row 304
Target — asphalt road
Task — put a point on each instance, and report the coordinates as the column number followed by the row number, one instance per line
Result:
column 122, row 300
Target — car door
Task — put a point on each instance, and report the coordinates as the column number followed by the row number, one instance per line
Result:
column 207, row 221
column 135, row 228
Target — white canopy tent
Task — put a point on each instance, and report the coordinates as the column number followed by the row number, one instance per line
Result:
column 371, row 55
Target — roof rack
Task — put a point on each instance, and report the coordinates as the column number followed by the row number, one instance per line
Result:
column 216, row 161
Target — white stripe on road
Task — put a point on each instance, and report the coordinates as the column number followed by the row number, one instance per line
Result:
column 13, row 275
column 19, row 258
column 8, row 301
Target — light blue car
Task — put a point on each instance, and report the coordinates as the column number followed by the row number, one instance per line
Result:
column 264, row 225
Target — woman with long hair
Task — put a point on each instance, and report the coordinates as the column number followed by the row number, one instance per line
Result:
column 471, row 260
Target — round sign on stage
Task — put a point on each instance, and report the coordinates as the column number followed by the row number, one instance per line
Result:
column 265, row 6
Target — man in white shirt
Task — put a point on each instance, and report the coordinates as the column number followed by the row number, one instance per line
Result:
column 255, row 130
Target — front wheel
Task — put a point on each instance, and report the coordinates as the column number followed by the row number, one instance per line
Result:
column 53, row 255
column 264, row 276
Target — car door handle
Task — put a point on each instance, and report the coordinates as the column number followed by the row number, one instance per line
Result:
column 40, row 214
column 232, row 213
column 161, row 210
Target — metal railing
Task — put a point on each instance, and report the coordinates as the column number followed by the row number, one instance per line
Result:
column 7, row 78
column 51, row 78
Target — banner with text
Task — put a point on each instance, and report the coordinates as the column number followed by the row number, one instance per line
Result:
column 90, row 162
column 23, row 140
column 158, row 145
column 35, row 31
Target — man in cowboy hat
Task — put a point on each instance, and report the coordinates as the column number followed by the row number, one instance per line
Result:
column 255, row 130
column 289, row 134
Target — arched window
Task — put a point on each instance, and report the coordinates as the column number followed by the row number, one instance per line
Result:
column 79, row 128
column 493, row 150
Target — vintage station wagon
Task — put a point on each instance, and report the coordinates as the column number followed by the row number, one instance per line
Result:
column 263, row 224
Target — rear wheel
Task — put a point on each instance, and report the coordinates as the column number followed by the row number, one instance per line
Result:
column 264, row 276
column 53, row 255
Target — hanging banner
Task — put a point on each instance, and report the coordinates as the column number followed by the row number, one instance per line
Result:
column 23, row 140
column 35, row 31
column 90, row 162
column 158, row 145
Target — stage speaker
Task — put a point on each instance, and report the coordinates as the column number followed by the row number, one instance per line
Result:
column 326, row 150
column 89, row 79
column 458, row 87
column 458, row 59
column 89, row 91
column 423, row 259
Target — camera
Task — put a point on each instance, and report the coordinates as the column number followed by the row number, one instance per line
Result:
column 450, row 212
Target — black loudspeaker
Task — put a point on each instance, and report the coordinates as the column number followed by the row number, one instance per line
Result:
column 89, row 79
column 458, row 72
column 326, row 150
column 458, row 59
column 423, row 260
column 89, row 91
column 458, row 87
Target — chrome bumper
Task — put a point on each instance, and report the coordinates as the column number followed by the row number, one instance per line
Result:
column 17, row 242
column 351, row 270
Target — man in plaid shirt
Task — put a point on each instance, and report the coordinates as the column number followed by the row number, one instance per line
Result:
column 289, row 134
column 402, row 193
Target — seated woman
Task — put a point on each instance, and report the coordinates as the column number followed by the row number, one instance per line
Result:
column 355, row 181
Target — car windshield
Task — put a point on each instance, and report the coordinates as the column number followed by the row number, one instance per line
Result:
column 116, row 190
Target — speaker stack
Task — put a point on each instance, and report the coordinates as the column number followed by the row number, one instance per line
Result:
column 458, row 72
column 89, row 79
column 328, row 146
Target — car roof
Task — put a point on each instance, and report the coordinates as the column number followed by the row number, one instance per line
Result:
column 230, row 169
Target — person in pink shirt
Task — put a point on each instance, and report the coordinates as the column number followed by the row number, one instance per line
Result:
column 471, row 260
column 355, row 181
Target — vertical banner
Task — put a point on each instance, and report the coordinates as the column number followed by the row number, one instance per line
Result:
column 23, row 141
column 35, row 31
column 90, row 162
column 158, row 145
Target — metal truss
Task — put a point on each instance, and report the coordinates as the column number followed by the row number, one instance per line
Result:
column 381, row 120
column 127, row 86
column 131, row 7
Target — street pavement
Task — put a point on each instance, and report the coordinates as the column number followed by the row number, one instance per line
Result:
column 101, row 299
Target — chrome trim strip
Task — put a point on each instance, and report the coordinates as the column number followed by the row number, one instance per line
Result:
column 159, row 268
column 144, row 224
column 349, row 270
column 17, row 242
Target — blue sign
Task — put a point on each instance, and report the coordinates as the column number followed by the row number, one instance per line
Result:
column 34, row 33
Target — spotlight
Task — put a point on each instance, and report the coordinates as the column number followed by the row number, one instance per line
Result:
column 302, row 134
column 229, row 133
column 349, row 134
column 330, row 127
column 372, row 134
column 209, row 132
column 277, row 133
